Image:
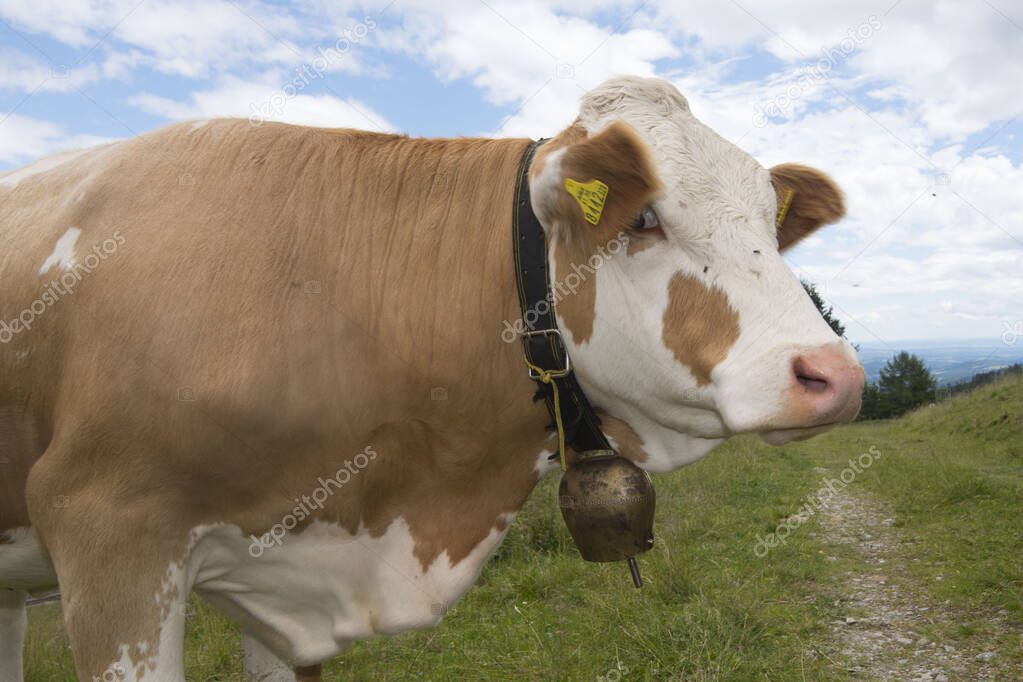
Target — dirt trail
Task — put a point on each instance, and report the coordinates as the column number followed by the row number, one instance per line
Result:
column 883, row 638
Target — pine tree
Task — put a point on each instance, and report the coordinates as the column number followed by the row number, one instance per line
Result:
column 827, row 311
column 905, row 383
column 871, row 408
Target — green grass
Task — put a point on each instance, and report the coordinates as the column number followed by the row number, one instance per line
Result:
column 711, row 609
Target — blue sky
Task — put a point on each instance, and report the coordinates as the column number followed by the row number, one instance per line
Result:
column 914, row 107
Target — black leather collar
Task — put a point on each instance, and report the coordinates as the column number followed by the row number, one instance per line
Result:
column 541, row 339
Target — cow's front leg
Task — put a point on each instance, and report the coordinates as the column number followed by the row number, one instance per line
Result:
column 12, row 634
column 124, row 612
column 121, row 552
column 124, row 582
column 126, row 624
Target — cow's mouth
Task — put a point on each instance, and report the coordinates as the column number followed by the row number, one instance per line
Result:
column 783, row 436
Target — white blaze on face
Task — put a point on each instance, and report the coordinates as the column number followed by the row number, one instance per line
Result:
column 63, row 254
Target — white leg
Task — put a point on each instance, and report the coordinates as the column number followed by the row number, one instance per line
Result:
column 12, row 634
column 261, row 665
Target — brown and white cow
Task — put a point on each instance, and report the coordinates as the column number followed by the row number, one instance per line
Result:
column 266, row 362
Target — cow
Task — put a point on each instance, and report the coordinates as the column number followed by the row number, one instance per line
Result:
column 270, row 363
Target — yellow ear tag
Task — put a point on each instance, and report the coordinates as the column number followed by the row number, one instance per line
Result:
column 783, row 210
column 591, row 197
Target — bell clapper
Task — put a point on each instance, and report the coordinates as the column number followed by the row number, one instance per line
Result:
column 637, row 579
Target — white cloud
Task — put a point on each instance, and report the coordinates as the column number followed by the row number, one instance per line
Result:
column 264, row 101
column 526, row 54
column 195, row 38
column 23, row 139
column 916, row 252
column 69, row 21
column 191, row 38
column 954, row 61
column 908, row 237
column 23, row 73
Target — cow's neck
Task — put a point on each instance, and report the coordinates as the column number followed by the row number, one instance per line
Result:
column 441, row 397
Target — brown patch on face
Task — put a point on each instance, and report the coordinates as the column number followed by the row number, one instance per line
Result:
column 700, row 325
column 575, row 287
column 816, row 201
column 630, row 444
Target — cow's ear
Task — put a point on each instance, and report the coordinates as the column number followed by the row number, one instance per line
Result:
column 807, row 199
column 598, row 183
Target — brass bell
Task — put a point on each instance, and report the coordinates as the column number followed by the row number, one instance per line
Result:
column 608, row 505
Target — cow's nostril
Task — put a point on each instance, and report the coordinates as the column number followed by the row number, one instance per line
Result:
column 825, row 386
column 811, row 384
column 809, row 377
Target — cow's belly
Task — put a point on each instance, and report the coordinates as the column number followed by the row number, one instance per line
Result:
column 309, row 597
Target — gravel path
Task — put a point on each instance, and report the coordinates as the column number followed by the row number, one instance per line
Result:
column 881, row 638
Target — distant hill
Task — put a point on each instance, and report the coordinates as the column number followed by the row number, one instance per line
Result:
column 950, row 360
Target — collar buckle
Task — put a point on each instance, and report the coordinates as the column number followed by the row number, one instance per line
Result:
column 548, row 333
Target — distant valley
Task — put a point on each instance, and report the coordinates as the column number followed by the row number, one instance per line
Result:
column 950, row 360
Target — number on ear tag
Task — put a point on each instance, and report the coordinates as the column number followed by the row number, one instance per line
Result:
column 591, row 196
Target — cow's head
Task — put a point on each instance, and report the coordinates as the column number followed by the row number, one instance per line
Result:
column 682, row 319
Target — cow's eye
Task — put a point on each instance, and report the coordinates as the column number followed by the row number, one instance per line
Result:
column 647, row 220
